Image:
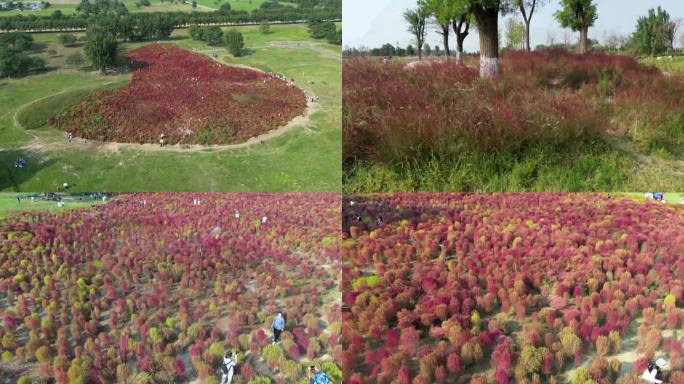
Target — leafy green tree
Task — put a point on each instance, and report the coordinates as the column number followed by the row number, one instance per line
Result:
column 212, row 35
column 102, row 47
column 515, row 32
column 67, row 38
column 74, row 60
column 20, row 41
column 265, row 27
column 654, row 33
column 14, row 63
column 441, row 11
column 578, row 15
column 194, row 3
column 527, row 8
column 417, row 20
column 234, row 42
column 224, row 9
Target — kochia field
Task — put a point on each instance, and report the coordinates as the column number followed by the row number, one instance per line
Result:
column 510, row 288
column 153, row 288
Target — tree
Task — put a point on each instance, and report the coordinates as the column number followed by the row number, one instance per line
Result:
column 527, row 8
column 212, row 35
column 20, row 41
column 224, row 9
column 410, row 51
column 16, row 63
column 515, row 33
column 441, row 11
column 416, row 20
column 75, row 60
column 67, row 38
column 486, row 13
column 265, row 27
column 102, row 48
column 194, row 3
column 427, row 49
column 234, row 42
column 461, row 17
column 655, row 33
column 578, row 15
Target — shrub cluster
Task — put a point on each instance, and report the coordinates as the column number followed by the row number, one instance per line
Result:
column 187, row 97
column 528, row 284
column 153, row 288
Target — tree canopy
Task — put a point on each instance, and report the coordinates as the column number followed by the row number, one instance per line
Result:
column 578, row 15
column 417, row 20
column 102, row 47
column 654, row 33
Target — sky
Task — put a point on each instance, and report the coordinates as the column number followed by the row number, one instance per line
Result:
column 371, row 23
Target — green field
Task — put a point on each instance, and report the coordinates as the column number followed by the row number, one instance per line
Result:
column 666, row 64
column 303, row 159
column 672, row 198
column 69, row 6
column 9, row 203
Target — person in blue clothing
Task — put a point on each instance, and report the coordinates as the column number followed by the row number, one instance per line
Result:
column 316, row 376
column 278, row 325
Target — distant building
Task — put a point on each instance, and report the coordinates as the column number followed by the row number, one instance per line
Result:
column 36, row 6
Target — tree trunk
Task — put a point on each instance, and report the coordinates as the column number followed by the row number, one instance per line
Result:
column 461, row 35
column 445, row 37
column 527, row 36
column 488, row 25
column 583, row 39
column 420, row 53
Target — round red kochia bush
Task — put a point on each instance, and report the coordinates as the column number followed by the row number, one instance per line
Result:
column 187, row 97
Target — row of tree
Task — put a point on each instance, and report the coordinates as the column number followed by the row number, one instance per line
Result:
column 458, row 15
column 80, row 20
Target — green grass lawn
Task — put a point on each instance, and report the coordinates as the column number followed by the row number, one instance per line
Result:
column 303, row 159
column 69, row 6
column 666, row 64
column 9, row 203
column 672, row 198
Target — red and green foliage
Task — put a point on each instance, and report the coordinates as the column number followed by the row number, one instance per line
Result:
column 394, row 112
column 450, row 271
column 183, row 281
column 186, row 96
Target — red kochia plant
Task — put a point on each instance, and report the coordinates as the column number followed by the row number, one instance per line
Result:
column 186, row 96
column 511, row 246
column 144, row 249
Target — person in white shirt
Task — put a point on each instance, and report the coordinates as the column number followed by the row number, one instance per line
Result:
column 228, row 367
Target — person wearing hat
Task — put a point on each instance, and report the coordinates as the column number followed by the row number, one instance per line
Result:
column 653, row 373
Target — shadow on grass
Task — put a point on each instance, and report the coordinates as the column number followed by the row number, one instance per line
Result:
column 12, row 177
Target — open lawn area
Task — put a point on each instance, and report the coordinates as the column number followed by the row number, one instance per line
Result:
column 304, row 158
column 9, row 203
column 665, row 63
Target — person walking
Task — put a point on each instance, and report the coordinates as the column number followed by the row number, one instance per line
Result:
column 278, row 325
column 228, row 367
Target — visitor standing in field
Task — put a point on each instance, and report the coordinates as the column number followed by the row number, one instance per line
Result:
column 316, row 376
column 228, row 367
column 278, row 325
